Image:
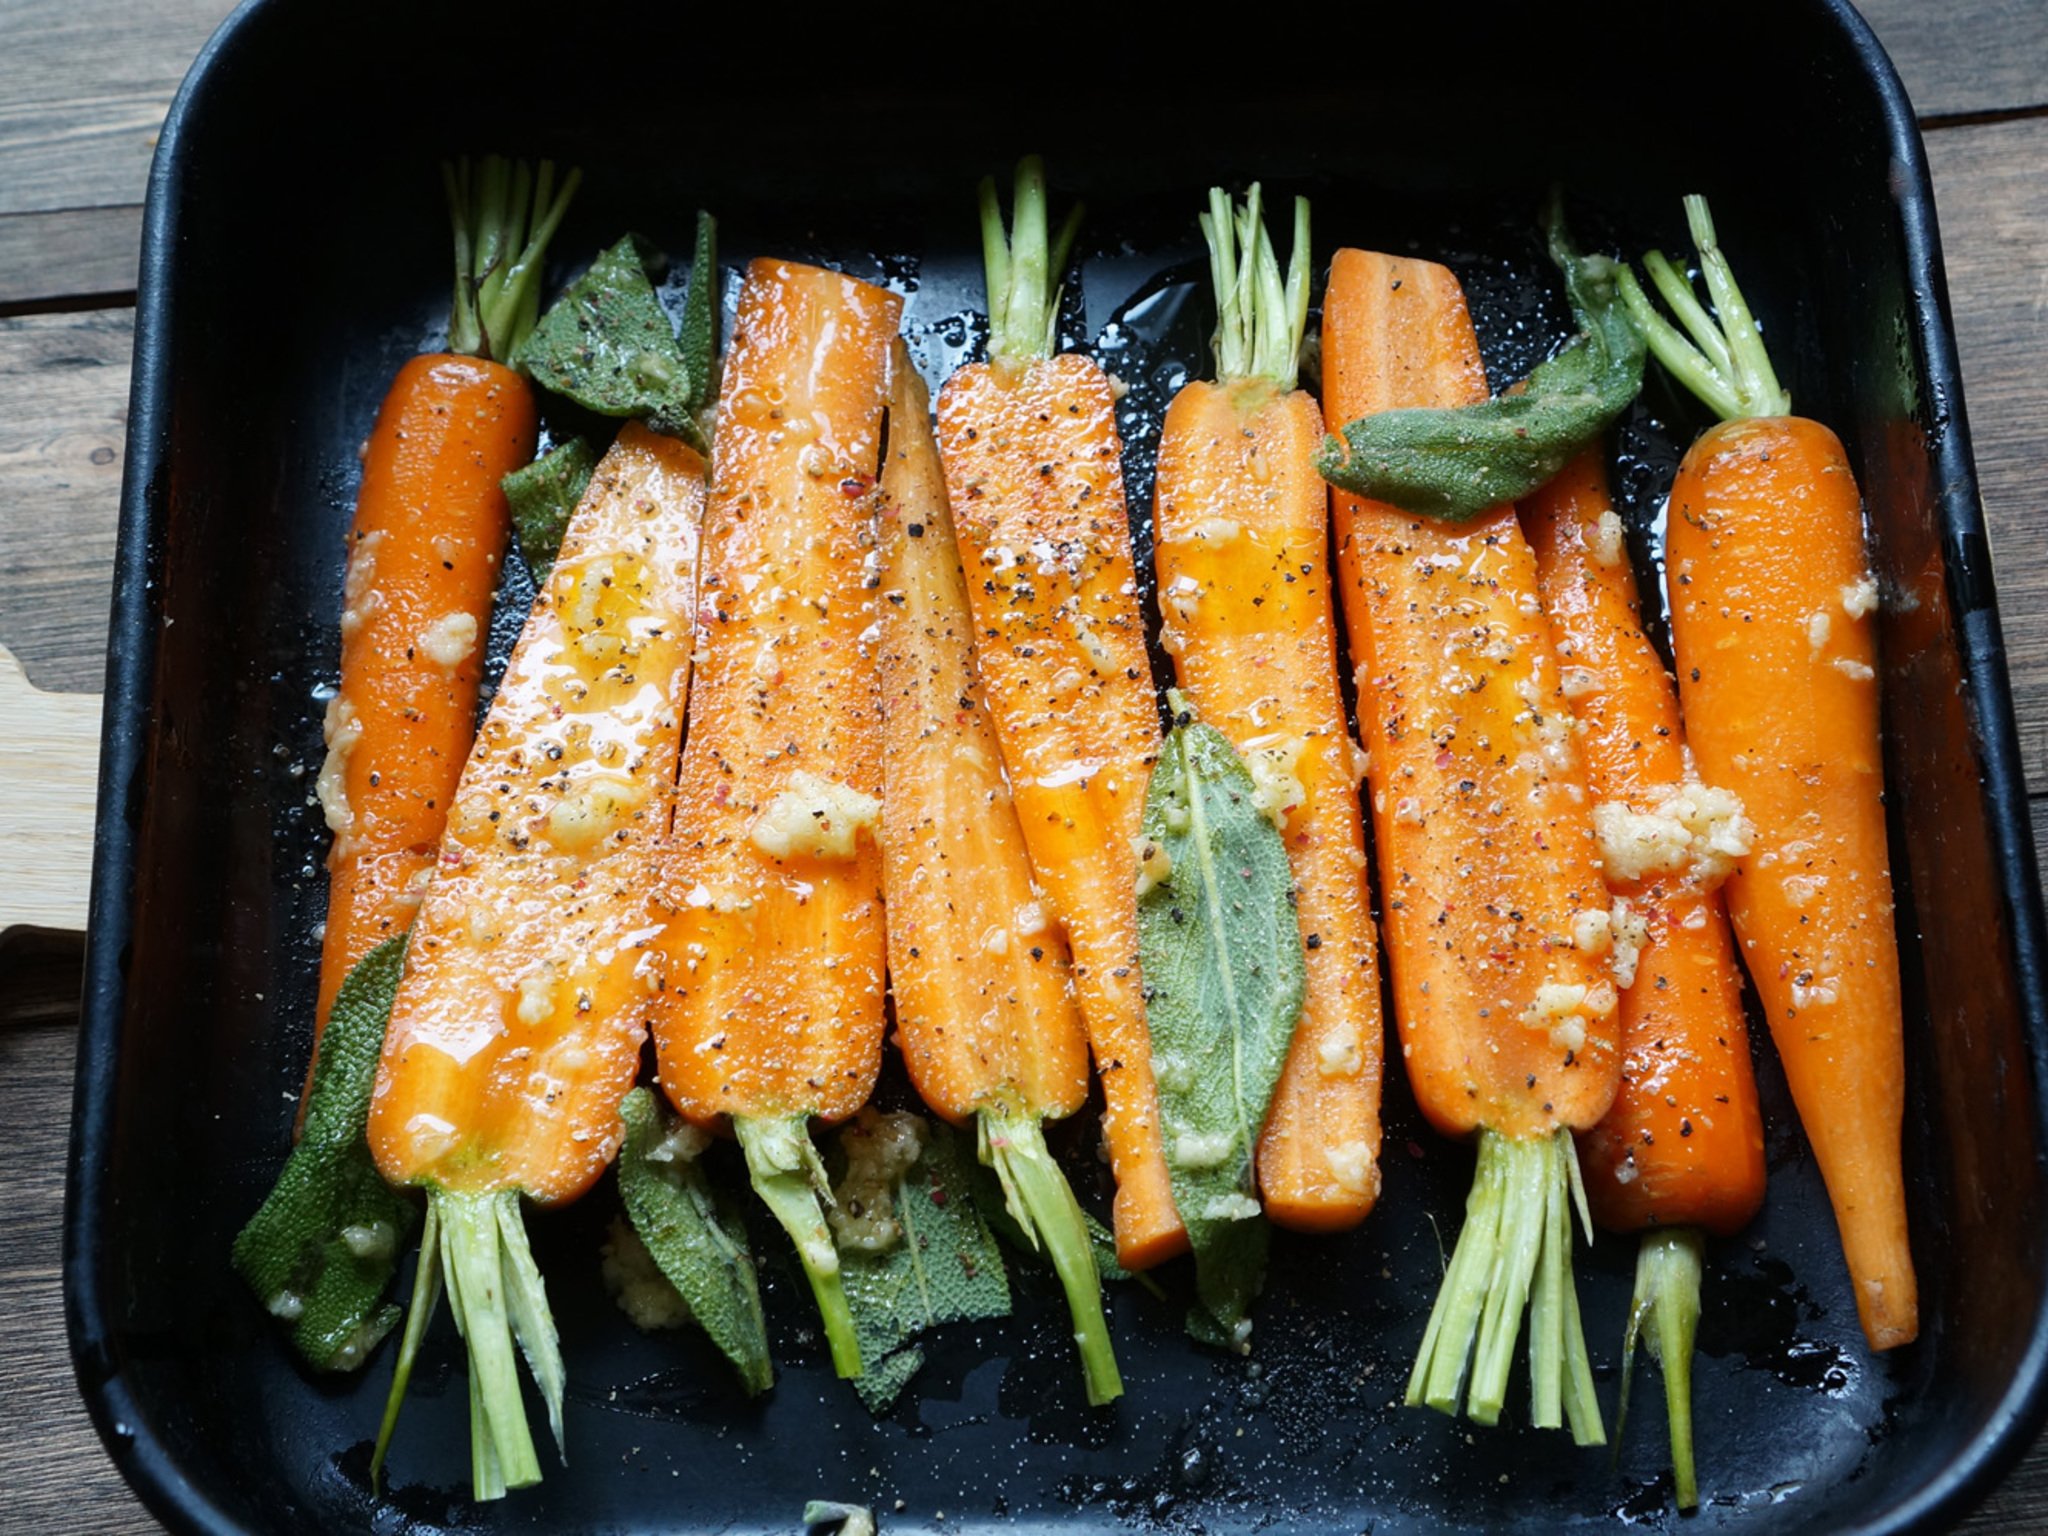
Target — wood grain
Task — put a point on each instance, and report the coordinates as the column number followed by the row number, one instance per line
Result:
column 63, row 406
column 83, row 90
column 1965, row 57
column 1991, row 187
column 49, row 741
column 57, row 1479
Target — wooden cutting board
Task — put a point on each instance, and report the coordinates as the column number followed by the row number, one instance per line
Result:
column 49, row 765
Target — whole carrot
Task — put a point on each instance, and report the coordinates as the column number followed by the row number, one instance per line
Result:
column 1682, row 1149
column 774, row 955
column 424, row 550
column 1771, row 604
column 1486, row 857
column 984, row 993
column 531, row 972
column 1244, row 577
column 1034, row 475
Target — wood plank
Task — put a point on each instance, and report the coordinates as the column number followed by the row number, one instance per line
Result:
column 71, row 253
column 63, row 408
column 1961, row 57
column 1991, row 185
column 84, row 85
column 59, row 1480
column 51, row 741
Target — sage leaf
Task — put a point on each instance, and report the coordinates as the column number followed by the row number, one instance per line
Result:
column 543, row 497
column 1455, row 462
column 1225, row 975
column 696, row 1239
column 321, row 1250
column 946, row 1269
column 607, row 344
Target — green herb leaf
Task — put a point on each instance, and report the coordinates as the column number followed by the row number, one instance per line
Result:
column 321, row 1250
column 543, row 496
column 947, row 1269
column 698, row 337
column 1224, row 979
column 698, row 1241
column 606, row 343
column 1456, row 462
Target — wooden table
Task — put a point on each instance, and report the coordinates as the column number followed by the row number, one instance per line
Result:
column 83, row 87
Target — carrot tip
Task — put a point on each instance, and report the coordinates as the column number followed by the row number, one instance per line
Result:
column 1515, row 1251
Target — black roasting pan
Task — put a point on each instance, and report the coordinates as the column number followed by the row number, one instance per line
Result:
column 294, row 254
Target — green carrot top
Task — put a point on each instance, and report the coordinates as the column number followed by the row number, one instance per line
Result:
column 1260, row 318
column 1024, row 266
column 504, row 213
column 1725, row 363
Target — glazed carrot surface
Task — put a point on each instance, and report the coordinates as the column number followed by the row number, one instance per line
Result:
column 1244, row 586
column 1479, row 797
column 531, row 972
column 1777, row 657
column 423, row 563
column 1033, row 471
column 1683, row 1142
column 985, row 1010
column 774, row 955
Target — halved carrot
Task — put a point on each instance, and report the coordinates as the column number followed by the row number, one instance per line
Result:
column 1772, row 597
column 1682, row 1148
column 423, row 561
column 1034, row 474
column 985, row 1008
column 774, row 954
column 531, row 972
column 1486, row 853
column 1243, row 563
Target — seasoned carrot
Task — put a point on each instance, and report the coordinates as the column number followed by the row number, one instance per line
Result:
column 1682, row 1149
column 531, row 972
column 1244, row 577
column 1486, row 855
column 1772, row 597
column 423, row 560
column 985, row 1008
column 774, row 954
column 1034, row 473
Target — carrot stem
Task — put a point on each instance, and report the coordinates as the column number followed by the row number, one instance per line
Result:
column 1729, row 368
column 1514, row 1252
column 790, row 1179
column 1043, row 1204
column 504, row 214
column 426, row 1298
column 1667, row 1304
column 1260, row 316
column 1024, row 266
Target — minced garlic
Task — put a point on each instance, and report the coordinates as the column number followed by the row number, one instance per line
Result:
column 1692, row 829
column 880, row 1148
column 636, row 1283
column 814, row 816
column 343, row 730
column 1277, row 789
column 1354, row 1167
column 450, row 640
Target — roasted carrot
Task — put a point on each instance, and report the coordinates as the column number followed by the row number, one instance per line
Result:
column 423, row 561
column 774, row 953
column 1243, row 563
column 1486, row 854
column 1772, row 597
column 985, row 1008
column 531, row 972
column 1035, row 477
column 1682, row 1149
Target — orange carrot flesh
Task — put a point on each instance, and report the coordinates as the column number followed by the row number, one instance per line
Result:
column 424, row 557
column 531, row 973
column 1244, row 581
column 1777, row 657
column 1683, row 1142
column 1033, row 472
column 985, row 1011
column 1479, row 798
column 774, row 956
